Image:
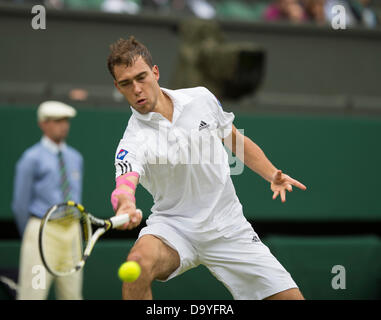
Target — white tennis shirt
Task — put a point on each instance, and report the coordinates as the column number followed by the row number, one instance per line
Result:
column 182, row 164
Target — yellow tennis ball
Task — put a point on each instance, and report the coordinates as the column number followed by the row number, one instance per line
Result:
column 129, row 271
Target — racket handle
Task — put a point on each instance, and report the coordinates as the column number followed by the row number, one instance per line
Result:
column 120, row 220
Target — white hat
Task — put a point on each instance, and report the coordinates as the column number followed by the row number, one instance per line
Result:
column 55, row 110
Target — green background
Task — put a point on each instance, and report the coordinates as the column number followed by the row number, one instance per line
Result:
column 336, row 157
column 308, row 259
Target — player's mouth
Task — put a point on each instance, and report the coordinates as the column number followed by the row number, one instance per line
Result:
column 141, row 102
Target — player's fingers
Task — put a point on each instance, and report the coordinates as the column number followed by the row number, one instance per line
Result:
column 289, row 188
column 132, row 224
column 124, row 226
column 283, row 195
column 136, row 218
column 298, row 184
column 276, row 193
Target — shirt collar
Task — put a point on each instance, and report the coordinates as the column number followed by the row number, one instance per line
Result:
column 52, row 146
column 179, row 100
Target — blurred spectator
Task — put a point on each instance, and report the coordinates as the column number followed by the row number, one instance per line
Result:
column 202, row 9
column 290, row 10
column 351, row 19
column 199, row 8
column 162, row 6
column 56, row 4
column 362, row 9
column 315, row 10
column 244, row 10
column 78, row 94
column 118, row 6
column 358, row 12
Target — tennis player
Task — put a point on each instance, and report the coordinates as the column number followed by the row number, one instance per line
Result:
column 173, row 147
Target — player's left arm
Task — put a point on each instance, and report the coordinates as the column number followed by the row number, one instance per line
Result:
column 255, row 159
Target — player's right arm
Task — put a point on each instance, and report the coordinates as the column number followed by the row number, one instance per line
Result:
column 123, row 199
column 129, row 161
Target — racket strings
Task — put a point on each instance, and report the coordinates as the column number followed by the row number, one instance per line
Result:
column 65, row 234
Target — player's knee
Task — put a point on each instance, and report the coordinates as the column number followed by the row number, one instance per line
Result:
column 156, row 259
column 146, row 261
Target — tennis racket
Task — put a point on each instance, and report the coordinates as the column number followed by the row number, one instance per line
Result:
column 66, row 236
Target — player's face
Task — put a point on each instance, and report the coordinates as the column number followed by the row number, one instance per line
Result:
column 56, row 130
column 138, row 84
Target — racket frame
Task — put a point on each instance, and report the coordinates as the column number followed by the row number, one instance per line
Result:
column 102, row 224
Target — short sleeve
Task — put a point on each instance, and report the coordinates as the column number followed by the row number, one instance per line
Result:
column 224, row 119
column 129, row 157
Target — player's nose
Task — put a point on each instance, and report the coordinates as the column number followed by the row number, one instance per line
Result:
column 137, row 88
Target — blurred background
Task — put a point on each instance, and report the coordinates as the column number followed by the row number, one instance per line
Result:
column 307, row 94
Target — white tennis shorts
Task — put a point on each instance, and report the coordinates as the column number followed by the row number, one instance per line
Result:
column 233, row 253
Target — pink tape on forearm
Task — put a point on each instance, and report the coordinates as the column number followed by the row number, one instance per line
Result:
column 131, row 196
column 114, row 199
column 132, row 173
column 122, row 180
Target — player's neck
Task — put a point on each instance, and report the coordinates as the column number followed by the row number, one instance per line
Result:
column 165, row 106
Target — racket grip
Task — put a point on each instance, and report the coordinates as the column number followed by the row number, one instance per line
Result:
column 120, row 220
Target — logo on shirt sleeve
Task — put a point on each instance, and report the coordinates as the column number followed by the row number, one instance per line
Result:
column 121, row 154
column 218, row 101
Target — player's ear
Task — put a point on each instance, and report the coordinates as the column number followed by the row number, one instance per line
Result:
column 116, row 86
column 155, row 70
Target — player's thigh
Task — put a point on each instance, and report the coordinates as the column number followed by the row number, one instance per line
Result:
column 290, row 294
column 154, row 256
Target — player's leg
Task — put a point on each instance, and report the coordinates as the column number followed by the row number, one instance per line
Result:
column 247, row 267
column 157, row 261
column 290, row 294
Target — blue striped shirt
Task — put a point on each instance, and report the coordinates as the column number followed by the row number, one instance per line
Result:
column 37, row 180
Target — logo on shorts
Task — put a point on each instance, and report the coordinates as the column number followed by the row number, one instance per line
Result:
column 255, row 239
column 122, row 153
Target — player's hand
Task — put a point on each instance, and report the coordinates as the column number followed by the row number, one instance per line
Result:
column 282, row 182
column 126, row 206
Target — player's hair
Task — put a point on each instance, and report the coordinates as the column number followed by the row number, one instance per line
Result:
column 126, row 51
